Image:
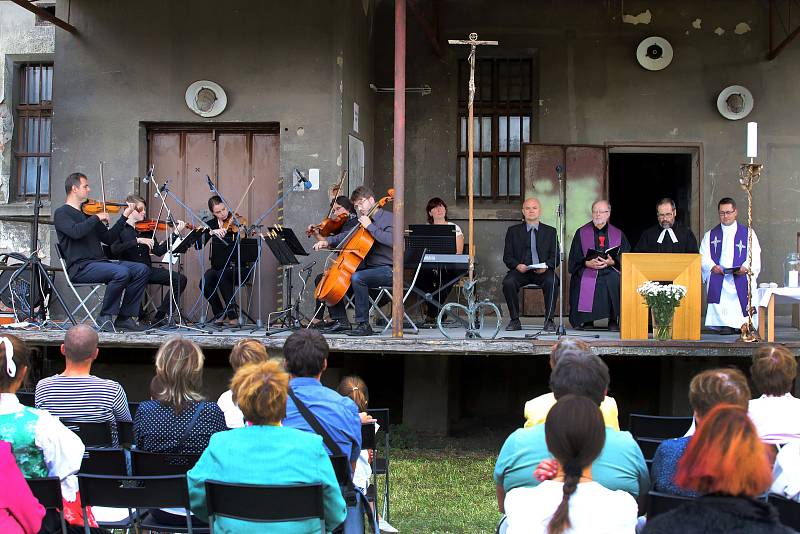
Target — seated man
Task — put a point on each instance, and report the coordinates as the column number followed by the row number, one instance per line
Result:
column 76, row 394
column 595, row 284
column 531, row 255
column 536, row 410
column 131, row 247
column 620, row 465
column 667, row 236
column 376, row 269
column 80, row 237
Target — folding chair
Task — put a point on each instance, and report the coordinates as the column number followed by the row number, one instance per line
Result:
column 136, row 494
column 145, row 463
column 387, row 292
column 369, row 442
column 657, row 426
column 48, row 492
column 132, row 407
column 82, row 301
column 98, row 461
column 92, row 434
column 788, row 510
column 265, row 503
column 658, row 503
column 27, row 398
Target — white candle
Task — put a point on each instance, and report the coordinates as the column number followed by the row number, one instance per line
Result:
column 793, row 279
column 752, row 139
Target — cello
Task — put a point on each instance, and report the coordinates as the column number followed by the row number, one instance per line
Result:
column 336, row 280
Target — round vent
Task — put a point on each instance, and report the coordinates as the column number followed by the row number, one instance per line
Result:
column 735, row 102
column 206, row 98
column 654, row 53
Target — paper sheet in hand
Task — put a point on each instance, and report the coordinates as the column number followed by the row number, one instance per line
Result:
column 537, row 266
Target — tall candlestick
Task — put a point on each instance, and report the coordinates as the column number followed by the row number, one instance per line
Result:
column 752, row 139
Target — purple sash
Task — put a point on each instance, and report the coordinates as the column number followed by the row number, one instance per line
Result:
column 589, row 276
column 739, row 258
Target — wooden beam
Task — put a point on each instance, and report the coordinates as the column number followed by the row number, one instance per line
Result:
column 777, row 50
column 46, row 15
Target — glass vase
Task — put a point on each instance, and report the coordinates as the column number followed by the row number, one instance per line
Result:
column 662, row 323
column 791, row 270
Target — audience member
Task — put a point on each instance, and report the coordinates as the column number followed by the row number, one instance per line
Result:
column 42, row 445
column 265, row 452
column 306, row 353
column 620, row 465
column 728, row 465
column 76, row 394
column 536, row 409
column 575, row 434
column 244, row 352
column 786, row 472
column 20, row 512
column 776, row 413
column 706, row 390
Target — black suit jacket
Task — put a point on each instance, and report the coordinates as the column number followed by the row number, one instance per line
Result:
column 518, row 246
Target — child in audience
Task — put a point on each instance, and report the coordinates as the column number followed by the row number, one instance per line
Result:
column 42, row 445
column 20, row 512
column 244, row 352
column 572, row 501
column 355, row 388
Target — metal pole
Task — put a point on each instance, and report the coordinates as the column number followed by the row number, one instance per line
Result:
column 399, row 165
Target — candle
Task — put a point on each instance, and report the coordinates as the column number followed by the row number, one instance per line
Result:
column 752, row 139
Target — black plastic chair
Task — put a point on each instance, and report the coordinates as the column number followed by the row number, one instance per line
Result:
column 788, row 510
column 132, row 407
column 103, row 461
column 92, row 434
column 136, row 494
column 156, row 463
column 658, row 503
column 48, row 492
column 657, row 426
column 381, row 461
column 648, row 447
column 265, row 503
column 27, row 398
column 125, row 434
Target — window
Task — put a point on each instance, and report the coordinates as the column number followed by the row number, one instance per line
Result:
column 34, row 118
column 504, row 96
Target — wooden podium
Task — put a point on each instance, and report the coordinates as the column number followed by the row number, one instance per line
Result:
column 682, row 269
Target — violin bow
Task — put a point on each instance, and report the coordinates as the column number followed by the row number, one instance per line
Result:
column 103, row 190
column 244, row 195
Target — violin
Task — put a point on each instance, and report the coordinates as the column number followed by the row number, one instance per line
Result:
column 232, row 227
column 151, row 225
column 93, row 207
column 329, row 226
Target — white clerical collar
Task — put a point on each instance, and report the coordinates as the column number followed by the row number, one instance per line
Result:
column 671, row 235
column 730, row 228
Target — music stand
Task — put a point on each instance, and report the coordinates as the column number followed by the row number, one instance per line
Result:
column 187, row 242
column 285, row 246
column 435, row 238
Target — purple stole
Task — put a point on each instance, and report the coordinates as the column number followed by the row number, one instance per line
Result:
column 739, row 257
column 589, row 276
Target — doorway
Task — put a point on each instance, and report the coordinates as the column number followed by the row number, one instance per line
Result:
column 637, row 180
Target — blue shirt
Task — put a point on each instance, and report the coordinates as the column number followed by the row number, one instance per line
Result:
column 665, row 464
column 338, row 415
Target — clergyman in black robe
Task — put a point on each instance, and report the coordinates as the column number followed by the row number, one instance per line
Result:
column 595, row 284
column 667, row 236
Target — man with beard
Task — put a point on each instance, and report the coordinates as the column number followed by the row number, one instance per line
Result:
column 667, row 236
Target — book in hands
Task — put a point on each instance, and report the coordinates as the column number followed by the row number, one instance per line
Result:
column 731, row 270
column 591, row 254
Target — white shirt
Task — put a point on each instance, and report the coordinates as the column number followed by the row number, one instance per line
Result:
column 786, row 473
column 593, row 509
column 777, row 419
column 234, row 418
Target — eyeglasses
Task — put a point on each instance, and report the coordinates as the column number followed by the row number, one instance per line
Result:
column 665, row 215
column 600, row 212
column 726, row 213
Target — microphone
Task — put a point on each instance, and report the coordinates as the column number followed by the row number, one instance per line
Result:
column 149, row 175
column 300, row 178
column 308, row 266
column 210, row 183
column 560, row 171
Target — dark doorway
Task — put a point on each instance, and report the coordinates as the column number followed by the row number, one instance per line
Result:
column 637, row 181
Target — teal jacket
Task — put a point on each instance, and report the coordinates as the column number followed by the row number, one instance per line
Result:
column 266, row 455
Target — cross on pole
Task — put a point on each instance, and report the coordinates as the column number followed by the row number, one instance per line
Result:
column 473, row 43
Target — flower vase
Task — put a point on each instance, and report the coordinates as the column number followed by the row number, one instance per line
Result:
column 662, row 323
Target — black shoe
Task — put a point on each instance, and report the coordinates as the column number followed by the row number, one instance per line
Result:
column 549, row 326
column 128, row 325
column 513, row 325
column 613, row 326
column 105, row 323
column 321, row 325
column 363, row 329
column 336, row 327
column 588, row 325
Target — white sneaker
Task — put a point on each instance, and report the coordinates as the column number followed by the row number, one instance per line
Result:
column 385, row 527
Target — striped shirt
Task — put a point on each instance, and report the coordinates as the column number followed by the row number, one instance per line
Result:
column 87, row 399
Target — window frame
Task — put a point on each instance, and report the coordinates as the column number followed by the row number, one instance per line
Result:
column 42, row 109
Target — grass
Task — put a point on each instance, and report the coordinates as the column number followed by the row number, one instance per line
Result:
column 445, row 489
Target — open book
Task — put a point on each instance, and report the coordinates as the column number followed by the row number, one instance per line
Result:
column 591, row 254
column 730, row 270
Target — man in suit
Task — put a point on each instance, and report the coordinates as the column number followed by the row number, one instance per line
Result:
column 530, row 244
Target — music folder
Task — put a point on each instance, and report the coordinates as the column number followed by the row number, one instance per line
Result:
column 188, row 241
column 591, row 254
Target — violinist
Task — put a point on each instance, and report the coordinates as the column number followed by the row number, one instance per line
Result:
column 376, row 269
column 341, row 207
column 131, row 245
column 222, row 274
column 81, row 237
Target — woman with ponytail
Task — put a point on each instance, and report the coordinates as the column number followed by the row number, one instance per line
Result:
column 571, row 503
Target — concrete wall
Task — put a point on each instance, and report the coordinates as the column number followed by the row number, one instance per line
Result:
column 592, row 91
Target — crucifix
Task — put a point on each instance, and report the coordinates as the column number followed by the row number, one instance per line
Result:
column 473, row 43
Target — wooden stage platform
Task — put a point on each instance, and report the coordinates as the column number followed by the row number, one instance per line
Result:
column 433, row 343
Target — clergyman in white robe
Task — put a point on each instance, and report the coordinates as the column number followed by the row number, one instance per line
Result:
column 729, row 311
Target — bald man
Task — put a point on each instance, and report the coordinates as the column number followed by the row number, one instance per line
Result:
column 531, row 255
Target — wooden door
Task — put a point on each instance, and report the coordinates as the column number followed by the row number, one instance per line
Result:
column 230, row 158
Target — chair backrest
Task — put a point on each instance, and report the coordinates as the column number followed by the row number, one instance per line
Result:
column 100, row 461
column 27, row 398
column 788, row 510
column 658, row 502
column 92, row 434
column 132, row 407
column 47, row 491
column 657, row 426
column 341, row 467
column 368, row 440
column 125, row 434
column 155, row 463
column 169, row 491
column 381, row 415
column 264, row 503
column 648, row 446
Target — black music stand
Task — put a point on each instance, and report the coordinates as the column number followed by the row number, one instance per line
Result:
column 188, row 242
column 285, row 247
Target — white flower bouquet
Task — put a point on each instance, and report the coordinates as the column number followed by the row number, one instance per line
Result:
column 662, row 300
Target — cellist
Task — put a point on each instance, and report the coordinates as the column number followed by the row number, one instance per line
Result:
column 375, row 270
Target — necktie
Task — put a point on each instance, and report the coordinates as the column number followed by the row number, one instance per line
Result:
column 534, row 252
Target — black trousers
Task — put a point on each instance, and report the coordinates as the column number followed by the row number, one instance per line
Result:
column 226, row 278
column 514, row 280
column 159, row 276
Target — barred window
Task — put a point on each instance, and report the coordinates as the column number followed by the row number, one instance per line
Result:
column 34, row 118
column 503, row 104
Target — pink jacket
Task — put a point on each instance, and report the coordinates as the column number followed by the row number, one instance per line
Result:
column 20, row 512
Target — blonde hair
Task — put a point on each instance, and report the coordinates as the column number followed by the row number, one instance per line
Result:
column 718, row 386
column 260, row 390
column 356, row 389
column 246, row 351
column 179, row 373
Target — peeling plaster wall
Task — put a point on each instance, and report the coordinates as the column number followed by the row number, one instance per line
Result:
column 592, row 91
